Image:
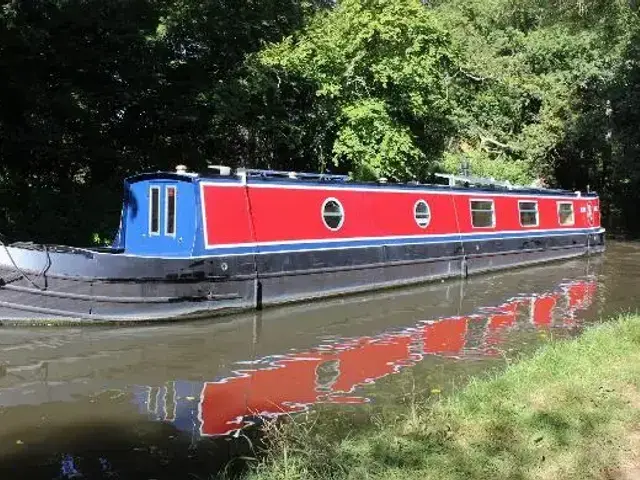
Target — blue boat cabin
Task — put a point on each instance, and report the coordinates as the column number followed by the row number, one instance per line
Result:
column 159, row 216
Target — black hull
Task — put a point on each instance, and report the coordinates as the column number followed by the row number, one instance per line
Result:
column 65, row 285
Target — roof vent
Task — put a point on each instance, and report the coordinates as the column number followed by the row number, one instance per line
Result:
column 181, row 169
column 222, row 170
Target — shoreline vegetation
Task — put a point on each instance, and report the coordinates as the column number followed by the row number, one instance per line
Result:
column 572, row 411
column 530, row 91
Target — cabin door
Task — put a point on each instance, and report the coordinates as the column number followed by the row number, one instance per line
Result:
column 164, row 235
column 160, row 219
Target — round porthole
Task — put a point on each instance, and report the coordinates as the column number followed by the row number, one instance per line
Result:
column 422, row 213
column 332, row 214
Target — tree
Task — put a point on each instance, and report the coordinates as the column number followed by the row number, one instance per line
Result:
column 93, row 91
column 524, row 69
column 381, row 70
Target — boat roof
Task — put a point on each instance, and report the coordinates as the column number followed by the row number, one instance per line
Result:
column 454, row 182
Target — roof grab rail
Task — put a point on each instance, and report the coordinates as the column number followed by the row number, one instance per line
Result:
column 291, row 174
column 452, row 178
column 471, row 180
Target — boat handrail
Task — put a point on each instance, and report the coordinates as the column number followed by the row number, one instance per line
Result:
column 291, row 174
column 490, row 181
column 453, row 180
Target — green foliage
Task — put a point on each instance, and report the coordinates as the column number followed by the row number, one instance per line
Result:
column 535, row 79
column 79, row 110
column 482, row 165
column 374, row 144
column 93, row 91
column 382, row 67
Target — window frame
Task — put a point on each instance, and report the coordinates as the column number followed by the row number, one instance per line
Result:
column 166, row 210
column 537, row 224
column 573, row 213
column 493, row 211
column 151, row 231
column 342, row 213
column 415, row 216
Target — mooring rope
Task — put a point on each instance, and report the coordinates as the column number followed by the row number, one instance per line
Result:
column 455, row 210
column 20, row 271
column 258, row 289
column 463, row 263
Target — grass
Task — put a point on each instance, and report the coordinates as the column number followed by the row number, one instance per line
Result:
column 572, row 411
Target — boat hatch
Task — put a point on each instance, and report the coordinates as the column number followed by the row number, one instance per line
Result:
column 159, row 216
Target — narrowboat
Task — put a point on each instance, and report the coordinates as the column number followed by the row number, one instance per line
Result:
column 197, row 244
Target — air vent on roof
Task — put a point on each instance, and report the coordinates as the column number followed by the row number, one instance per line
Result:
column 222, row 170
column 182, row 170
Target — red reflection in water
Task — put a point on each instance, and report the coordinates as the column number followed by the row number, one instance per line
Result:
column 302, row 379
column 368, row 359
column 500, row 322
column 446, row 336
column 579, row 296
column 281, row 389
column 542, row 309
column 331, row 373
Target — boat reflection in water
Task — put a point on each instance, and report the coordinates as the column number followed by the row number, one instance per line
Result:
column 332, row 373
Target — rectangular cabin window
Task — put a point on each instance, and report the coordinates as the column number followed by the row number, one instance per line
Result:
column 154, row 211
column 565, row 213
column 170, row 212
column 482, row 214
column 528, row 214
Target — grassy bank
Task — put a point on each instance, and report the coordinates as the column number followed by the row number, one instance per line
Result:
column 571, row 411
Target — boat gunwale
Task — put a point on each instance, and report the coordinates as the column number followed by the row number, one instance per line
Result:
column 196, row 277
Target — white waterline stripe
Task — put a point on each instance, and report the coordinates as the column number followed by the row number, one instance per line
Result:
column 417, row 238
column 244, row 249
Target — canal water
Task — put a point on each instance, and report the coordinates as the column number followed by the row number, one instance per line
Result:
column 183, row 400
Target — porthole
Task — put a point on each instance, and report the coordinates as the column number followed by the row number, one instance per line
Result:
column 422, row 213
column 332, row 214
